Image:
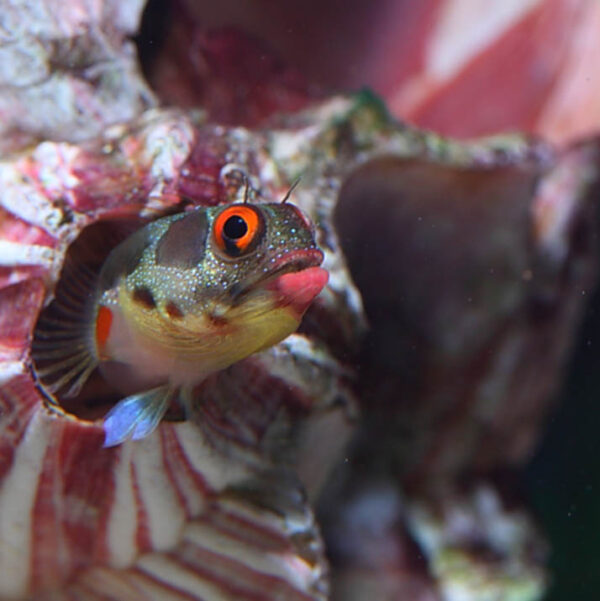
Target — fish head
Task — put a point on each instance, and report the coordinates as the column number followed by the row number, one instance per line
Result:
column 268, row 258
column 267, row 265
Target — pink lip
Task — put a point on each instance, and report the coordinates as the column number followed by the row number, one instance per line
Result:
column 298, row 289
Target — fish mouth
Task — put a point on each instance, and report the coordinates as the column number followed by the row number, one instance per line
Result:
column 295, row 278
column 294, row 261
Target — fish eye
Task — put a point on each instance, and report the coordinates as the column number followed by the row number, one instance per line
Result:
column 235, row 227
column 238, row 229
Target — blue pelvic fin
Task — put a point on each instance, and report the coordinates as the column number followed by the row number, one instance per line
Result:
column 136, row 416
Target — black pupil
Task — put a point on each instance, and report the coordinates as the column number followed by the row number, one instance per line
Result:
column 235, row 227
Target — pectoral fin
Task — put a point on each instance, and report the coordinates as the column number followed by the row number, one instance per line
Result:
column 136, row 416
column 63, row 346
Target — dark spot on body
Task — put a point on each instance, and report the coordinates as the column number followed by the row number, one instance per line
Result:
column 182, row 245
column 217, row 321
column 143, row 296
column 173, row 311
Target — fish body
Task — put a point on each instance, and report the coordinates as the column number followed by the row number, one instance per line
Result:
column 183, row 297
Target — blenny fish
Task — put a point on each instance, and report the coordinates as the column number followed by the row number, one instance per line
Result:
column 183, row 297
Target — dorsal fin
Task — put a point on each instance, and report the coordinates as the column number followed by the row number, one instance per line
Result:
column 63, row 348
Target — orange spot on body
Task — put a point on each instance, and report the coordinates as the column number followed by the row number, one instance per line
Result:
column 103, row 325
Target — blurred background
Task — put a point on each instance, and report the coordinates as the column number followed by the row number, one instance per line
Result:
column 460, row 67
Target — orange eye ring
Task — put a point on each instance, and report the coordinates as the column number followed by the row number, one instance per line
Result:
column 238, row 229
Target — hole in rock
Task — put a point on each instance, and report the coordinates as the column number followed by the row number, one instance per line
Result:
column 70, row 311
